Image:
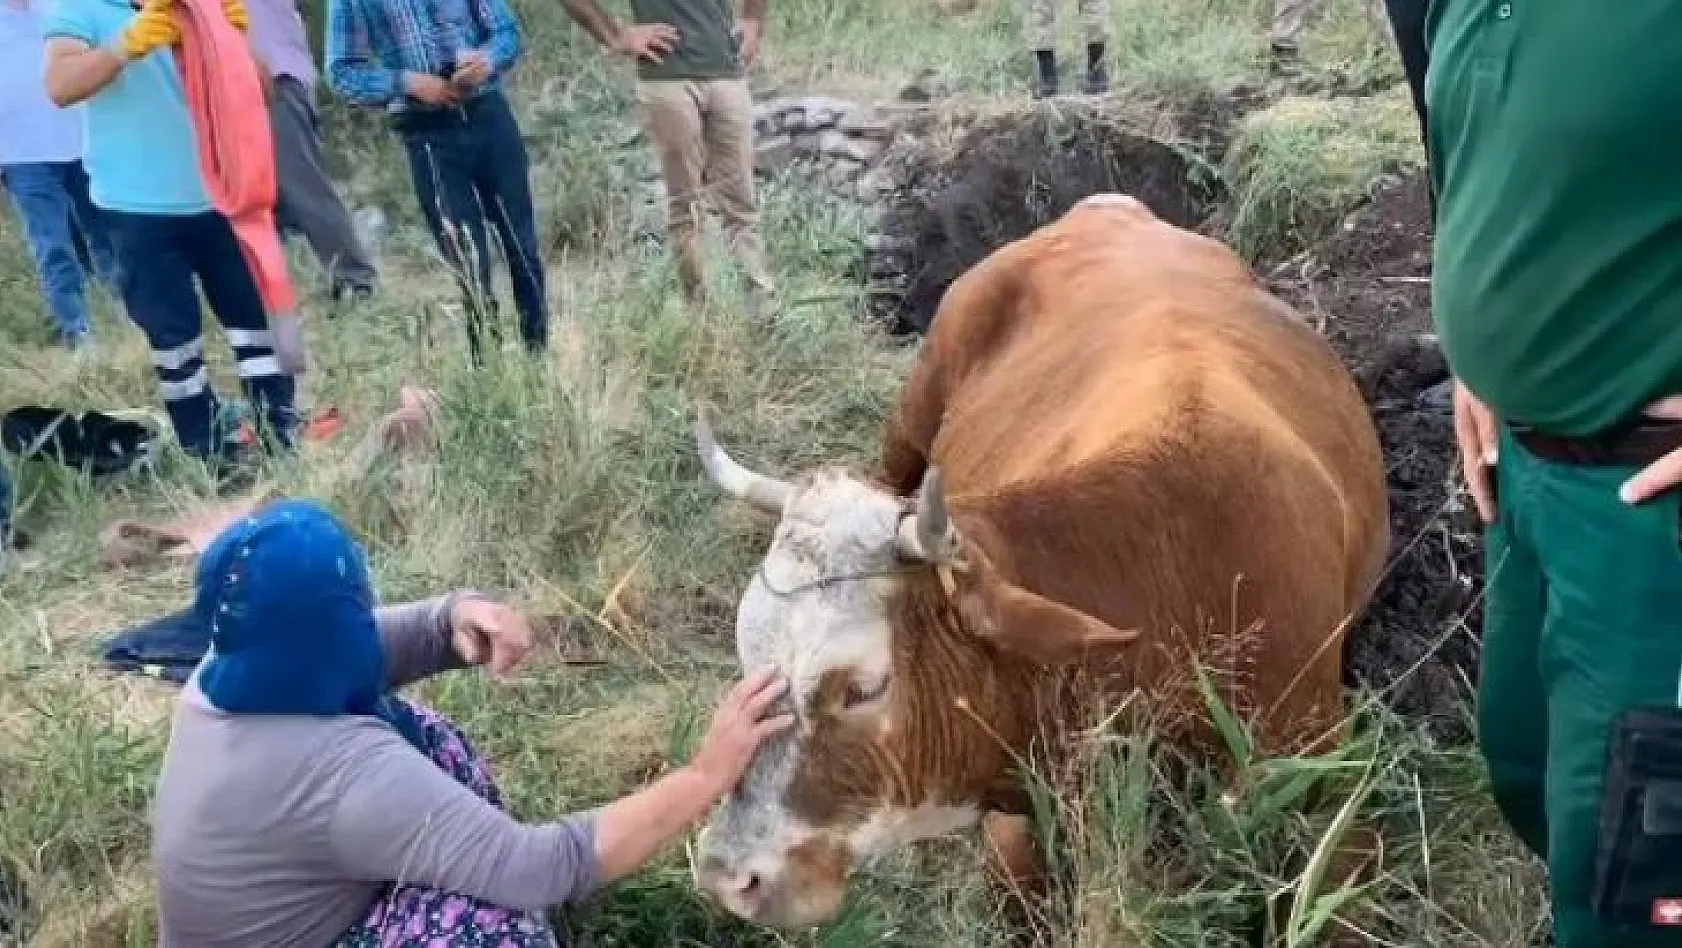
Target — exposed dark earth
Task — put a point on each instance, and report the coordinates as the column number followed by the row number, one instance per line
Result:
column 1367, row 289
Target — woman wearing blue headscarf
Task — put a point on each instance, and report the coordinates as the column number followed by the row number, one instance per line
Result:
column 302, row 803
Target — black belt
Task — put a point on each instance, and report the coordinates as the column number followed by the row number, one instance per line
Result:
column 414, row 120
column 1636, row 445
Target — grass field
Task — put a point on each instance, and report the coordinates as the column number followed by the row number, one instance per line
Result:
column 571, row 484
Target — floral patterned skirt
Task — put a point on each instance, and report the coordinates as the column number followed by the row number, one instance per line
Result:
column 412, row 916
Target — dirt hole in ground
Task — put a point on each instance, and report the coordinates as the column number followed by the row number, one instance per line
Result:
column 1009, row 174
column 1367, row 289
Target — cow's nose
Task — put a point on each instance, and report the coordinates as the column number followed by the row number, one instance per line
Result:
column 740, row 889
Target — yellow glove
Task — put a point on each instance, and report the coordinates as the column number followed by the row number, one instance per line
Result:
column 153, row 28
column 234, row 10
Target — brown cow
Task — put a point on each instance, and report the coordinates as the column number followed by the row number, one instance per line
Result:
column 1132, row 459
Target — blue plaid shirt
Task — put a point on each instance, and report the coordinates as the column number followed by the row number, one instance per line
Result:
column 371, row 43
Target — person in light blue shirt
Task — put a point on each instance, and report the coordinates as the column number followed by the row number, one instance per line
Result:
column 41, row 170
column 143, row 164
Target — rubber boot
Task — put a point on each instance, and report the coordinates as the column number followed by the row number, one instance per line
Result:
column 1097, row 71
column 1045, row 77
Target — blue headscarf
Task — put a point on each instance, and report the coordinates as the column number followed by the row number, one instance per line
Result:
column 290, row 607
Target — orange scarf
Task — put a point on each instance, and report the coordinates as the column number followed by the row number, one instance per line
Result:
column 236, row 157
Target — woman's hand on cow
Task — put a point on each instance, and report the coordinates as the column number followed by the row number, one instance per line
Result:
column 742, row 723
column 1475, row 430
column 485, row 632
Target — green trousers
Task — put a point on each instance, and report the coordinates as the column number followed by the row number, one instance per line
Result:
column 1583, row 620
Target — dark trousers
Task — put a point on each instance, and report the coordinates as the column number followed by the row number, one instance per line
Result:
column 469, row 165
column 161, row 255
column 305, row 199
column 1581, row 623
column 1407, row 22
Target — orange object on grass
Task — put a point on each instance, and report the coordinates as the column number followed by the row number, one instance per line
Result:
column 236, row 156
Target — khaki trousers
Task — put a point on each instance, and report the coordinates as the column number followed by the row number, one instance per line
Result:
column 1040, row 28
column 1290, row 18
column 702, row 131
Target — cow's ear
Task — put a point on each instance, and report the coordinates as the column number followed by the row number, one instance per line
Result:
column 1031, row 626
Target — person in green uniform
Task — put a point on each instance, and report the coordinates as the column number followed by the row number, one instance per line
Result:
column 691, row 60
column 1556, row 154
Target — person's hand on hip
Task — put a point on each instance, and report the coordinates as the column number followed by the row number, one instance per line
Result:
column 650, row 41
column 1664, row 474
column 1475, row 430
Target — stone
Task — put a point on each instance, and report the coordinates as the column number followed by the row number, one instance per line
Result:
column 775, row 154
column 863, row 123
column 875, row 184
column 825, row 111
column 1438, row 399
column 885, row 266
column 807, row 144
column 840, row 172
column 842, row 145
column 887, row 243
column 926, row 87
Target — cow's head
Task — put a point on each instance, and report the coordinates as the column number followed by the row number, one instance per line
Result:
column 904, row 653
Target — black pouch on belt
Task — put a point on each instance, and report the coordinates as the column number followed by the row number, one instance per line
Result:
column 1641, row 821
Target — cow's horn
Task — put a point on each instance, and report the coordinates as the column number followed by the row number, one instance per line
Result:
column 766, row 493
column 928, row 535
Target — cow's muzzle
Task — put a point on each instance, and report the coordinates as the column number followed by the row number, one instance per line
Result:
column 805, row 887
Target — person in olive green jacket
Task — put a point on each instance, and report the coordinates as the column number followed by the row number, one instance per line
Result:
column 1558, row 298
column 691, row 60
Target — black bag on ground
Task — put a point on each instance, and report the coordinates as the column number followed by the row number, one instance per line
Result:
column 1640, row 846
column 93, row 440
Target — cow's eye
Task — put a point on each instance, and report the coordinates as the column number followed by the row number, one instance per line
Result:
column 859, row 693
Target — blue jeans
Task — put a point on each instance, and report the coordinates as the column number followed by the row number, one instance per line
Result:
column 469, row 164
column 162, row 299
column 67, row 236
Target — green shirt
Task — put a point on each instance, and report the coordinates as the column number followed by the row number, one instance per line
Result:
column 1556, row 150
column 706, row 46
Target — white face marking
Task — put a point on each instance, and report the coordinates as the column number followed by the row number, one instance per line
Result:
column 819, row 603
column 838, row 531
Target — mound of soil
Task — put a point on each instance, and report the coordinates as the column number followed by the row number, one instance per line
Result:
column 1009, row 175
column 1369, row 289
